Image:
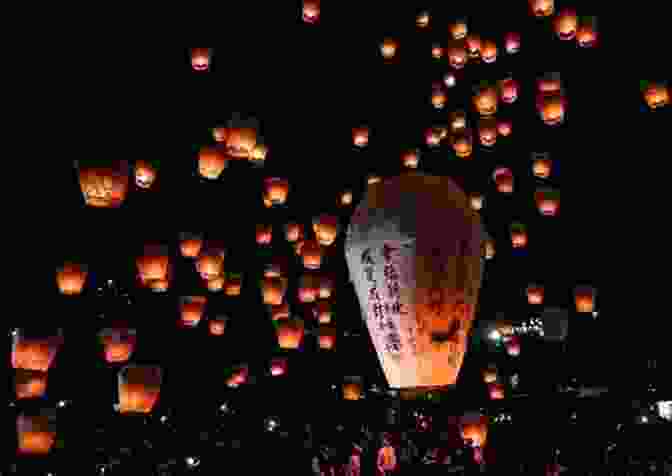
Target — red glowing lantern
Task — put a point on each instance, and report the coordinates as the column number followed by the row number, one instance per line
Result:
column 473, row 43
column 311, row 11
column 233, row 284
column 308, row 288
column 512, row 345
column 432, row 137
column 586, row 33
column 656, row 94
column 388, row 48
column 360, row 136
column 190, row 244
column 293, row 232
column 496, row 391
column 258, row 155
column 70, row 278
column 118, row 344
column 549, row 83
column 489, row 51
column 103, row 184
column 139, row 388
column 30, row 384
column 327, row 337
column 211, row 163
column 239, row 376
column 548, row 201
column 276, row 190
column 264, row 234
column 474, row 427
column 457, row 54
column 217, row 326
column 34, row 353
column 565, row 24
column 289, row 332
column 487, row 131
column 503, row 179
column 278, row 366
column 439, row 97
column 518, row 235
column 326, row 229
column 210, row 264
column 542, row 8
column 36, row 433
column 459, row 29
column 219, row 134
column 410, row 158
column 352, row 388
column 145, row 173
column 584, row 298
column 311, row 254
column 535, row 294
column 508, row 90
column 201, row 58
column 541, row 165
column 323, row 312
column 437, row 51
column 191, row 310
column 504, row 127
column 552, row 109
column 512, row 42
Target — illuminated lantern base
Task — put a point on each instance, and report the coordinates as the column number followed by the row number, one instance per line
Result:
column 327, row 337
column 139, row 388
column 35, row 434
column 30, row 384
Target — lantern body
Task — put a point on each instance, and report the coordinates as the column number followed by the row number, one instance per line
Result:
column 587, row 34
column 513, row 346
column 278, row 366
column 326, row 229
column 215, row 284
column 264, row 234
column 233, row 286
column 70, row 278
column 439, row 97
column 504, row 180
column 153, row 264
column 35, row 433
column 485, row 101
column 104, row 186
column 190, row 244
column 311, row 11
column 541, row 165
column 210, row 265
column 459, row 29
column 584, row 299
column 346, row 198
column 352, row 388
column 238, row 377
column 437, row 51
column 273, row 290
column 280, row 311
column 496, row 391
column 542, row 8
column 473, row 43
column 145, row 174
column 552, row 109
column 432, row 139
column 37, row 353
column 457, row 55
column 200, row 59
column 518, row 237
column 549, row 84
column 565, row 24
column 160, row 285
column 327, row 337
column 191, row 310
column 490, row 375
column 488, row 249
column 311, row 254
column 548, row 201
column 217, row 326
column 512, row 42
column 458, row 121
column 290, row 333
column 475, row 429
column 489, row 51
column 211, row 163
column 276, row 190
column 417, row 287
column 293, row 232
column 308, row 288
column 388, row 48
column 657, row 96
column 219, row 134
column 476, row 201
column 241, row 141
column 508, row 90
column 139, row 388
column 504, row 128
column 360, row 136
column 323, row 312
column 462, row 143
column 118, row 344
column 487, row 132
column 535, row 294
column 30, row 384
column 422, row 20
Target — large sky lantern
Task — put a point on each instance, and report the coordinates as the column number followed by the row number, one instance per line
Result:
column 473, row 43
column 584, row 299
column 278, row 366
column 153, row 264
column 160, row 285
column 264, row 234
column 145, row 173
column 489, row 51
column 388, row 48
column 211, row 162
column 487, row 131
column 542, row 8
column 547, row 200
column 308, row 288
column 565, row 24
column 508, row 90
column 210, row 263
column 36, row 434
column 437, row 51
column 542, row 165
column 422, row 19
column 190, row 244
column 587, row 33
column 512, row 42
column 201, row 59
column 535, row 294
column 276, row 190
column 30, row 384
column 459, row 29
column 34, row 352
column 552, row 109
column 192, row 309
column 70, row 278
column 439, row 96
column 410, row 158
column 474, row 427
column 462, row 143
column 656, row 93
column 457, row 54
column 242, row 137
column 503, row 179
column 217, row 325
column 485, row 100
column 311, row 11
column 504, row 127
column 139, row 388
column 518, row 235
column 104, row 183
column 327, row 336
column 273, row 290
column 326, row 229
column 118, row 344
column 352, row 387
column 311, row 254
column 289, row 332
column 360, row 136
column 413, row 252
column 233, row 284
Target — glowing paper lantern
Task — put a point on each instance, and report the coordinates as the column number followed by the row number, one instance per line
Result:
column 326, row 287
column 211, row 163
column 437, row 51
column 327, row 337
column 487, row 131
column 352, row 388
column 485, row 100
column 191, row 310
column 548, row 201
column 552, row 109
column 308, row 288
column 278, row 366
column 504, row 179
column 145, row 173
column 281, row 311
column 190, row 244
column 30, row 383
column 273, row 290
column 490, row 374
column 311, row 11
column 215, row 284
column 153, row 264
column 458, row 121
column 217, row 326
column 276, row 190
column 457, row 54
column 233, row 284
column 201, row 58
column 489, row 51
column 462, row 143
column 518, row 235
column 311, row 254
column 413, row 251
column 565, row 24
column 70, row 278
column 508, row 90
column 541, row 164
column 345, row 199
column 264, row 234
column 584, row 298
column 496, row 391
column 139, row 388
column 34, row 352
column 326, row 229
column 290, row 333
column 476, row 201
column 219, row 134
column 210, row 264
column 542, row 8
column 474, row 427
column 104, row 183
column 323, row 312
column 512, row 345
column 512, row 42
column 118, row 344
column 388, row 48
column 36, row 433
column 360, row 136
column 422, row 19
column 293, row 232
column 241, row 138
column 656, row 94
column 586, row 33
column 504, row 127
column 459, row 29
column 449, row 80
column 535, row 294
column 473, row 43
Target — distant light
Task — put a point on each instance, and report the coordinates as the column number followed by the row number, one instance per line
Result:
column 62, row 403
column 594, row 313
column 645, row 419
column 495, row 335
column 163, row 419
column 192, row 461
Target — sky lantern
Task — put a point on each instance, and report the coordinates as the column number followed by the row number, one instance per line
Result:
column 512, row 42
column 215, row 284
column 437, row 51
column 541, row 165
column 535, row 294
column 311, row 11
column 323, row 312
column 542, row 8
column 490, row 374
column 504, row 127
column 217, row 325
column 36, row 433
column 388, row 48
column 458, row 29
column 70, row 278
column 139, row 388
column 352, row 388
column 512, row 345
column 326, row 229
column 476, row 201
column 118, row 344
column 238, row 376
column 345, row 198
column 518, row 235
column 34, row 352
column 473, row 43
column 548, row 201
column 432, row 139
column 30, row 384
column 656, row 93
column 210, row 263
column 439, row 96
column 496, row 391
column 488, row 249
column 211, row 162
column 273, row 290
column 360, row 136
column 190, row 244
column 264, row 234
column 458, row 121
column 462, row 143
column 422, row 19
column 410, row 158
column 233, row 284
column 191, row 310
column 457, row 54
column 508, row 90
column 153, row 263
column 104, row 183
column 293, row 232
column 242, row 137
column 565, row 24
column 584, row 298
column 549, row 83
column 474, row 427
column 219, row 134
column 587, row 33
column 278, row 366
column 503, row 179
column 145, row 173
column 289, row 332
column 485, row 100
column 423, row 294
column 201, row 59
column 487, row 131
column 311, row 254
column 327, row 336
column 489, row 51
column 552, row 109
column 276, row 190
column 308, row 288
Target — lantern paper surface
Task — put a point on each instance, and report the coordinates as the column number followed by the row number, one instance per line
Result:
column 36, row 433
column 139, row 388
column 34, row 353
column 417, row 282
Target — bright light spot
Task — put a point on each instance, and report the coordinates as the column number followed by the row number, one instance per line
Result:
column 645, row 419
column 495, row 335
column 594, row 313
column 164, row 419
column 191, row 461
column 61, row 403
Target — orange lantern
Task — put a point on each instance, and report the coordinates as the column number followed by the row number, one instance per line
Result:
column 311, row 254
column 30, row 383
column 327, row 337
column 504, row 128
column 215, row 284
column 159, row 285
column 473, row 43
column 281, row 311
column 308, row 288
column 541, row 165
column 145, row 173
column 584, row 298
column 219, row 134
column 512, row 42
column 656, row 94
column 485, row 100
column 326, row 287
column 496, row 391
column 211, row 163
column 422, row 19
column 586, row 33
column 410, row 158
column 264, row 234
column 504, row 180
column 459, row 29
column 508, row 90
column 258, row 154
column 278, row 366
column 535, row 294
column 290, row 333
column 242, row 138
column 239, row 376
column 233, row 284
column 439, row 97
column 34, row 353
column 323, row 312
column 360, row 136
column 437, row 51
column 191, row 310
column 326, row 229
column 190, row 244
column 552, row 109
column 201, row 58
column 103, row 184
column 489, row 51
column 388, row 48
column 488, row 251
column 210, row 264
column 462, row 143
column 518, row 235
column 512, row 345
column 267, row 202
column 476, row 201
column 70, row 278
column 565, row 24
column 487, row 131
column 118, row 344
column 36, row 433
column 217, row 326
column 490, row 374
column 372, row 178
column 346, row 198
column 276, row 190
column 542, row 8
column 352, row 388
column 457, row 54
column 139, row 388
column 474, row 428
column 548, row 201
column 293, row 232
column 311, row 11
column 153, row 264
column 273, row 290
column 458, row 121
column 549, row 84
